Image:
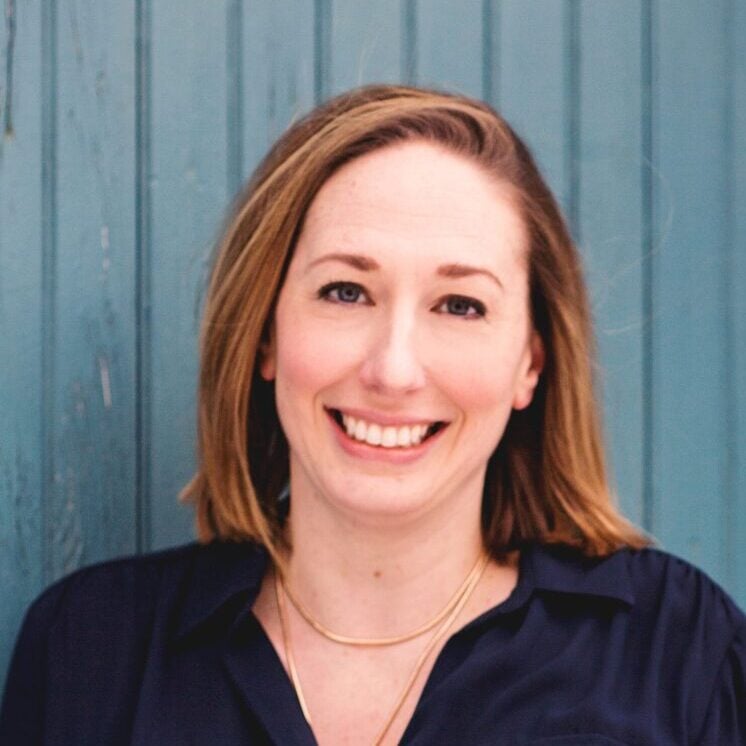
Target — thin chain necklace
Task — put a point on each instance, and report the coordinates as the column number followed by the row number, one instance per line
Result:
column 462, row 597
column 382, row 641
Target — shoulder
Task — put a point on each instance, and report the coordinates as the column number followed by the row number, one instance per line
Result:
column 668, row 627
column 664, row 601
column 85, row 634
column 108, row 615
column 698, row 637
column 681, row 592
column 126, row 596
column 109, row 587
column 691, row 629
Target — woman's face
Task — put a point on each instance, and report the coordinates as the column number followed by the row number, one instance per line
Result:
column 402, row 338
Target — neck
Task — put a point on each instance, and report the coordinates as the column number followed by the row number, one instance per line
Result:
column 380, row 578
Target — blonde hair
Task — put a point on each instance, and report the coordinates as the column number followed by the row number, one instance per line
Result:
column 546, row 480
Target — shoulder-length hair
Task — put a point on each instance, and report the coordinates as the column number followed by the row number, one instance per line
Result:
column 546, row 480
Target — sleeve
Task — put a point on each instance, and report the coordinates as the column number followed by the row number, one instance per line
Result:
column 22, row 708
column 725, row 723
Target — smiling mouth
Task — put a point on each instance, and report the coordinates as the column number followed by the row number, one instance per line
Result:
column 384, row 436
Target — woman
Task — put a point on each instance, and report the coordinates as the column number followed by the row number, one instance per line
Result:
column 397, row 330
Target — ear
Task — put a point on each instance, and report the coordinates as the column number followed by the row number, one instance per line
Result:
column 533, row 365
column 268, row 357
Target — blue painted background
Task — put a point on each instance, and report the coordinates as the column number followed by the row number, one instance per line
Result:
column 128, row 125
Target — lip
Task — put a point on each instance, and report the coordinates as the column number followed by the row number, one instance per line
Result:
column 376, row 453
column 384, row 419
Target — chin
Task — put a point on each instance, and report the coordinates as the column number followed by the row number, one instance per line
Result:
column 380, row 501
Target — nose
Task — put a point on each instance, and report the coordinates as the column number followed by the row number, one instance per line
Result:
column 392, row 363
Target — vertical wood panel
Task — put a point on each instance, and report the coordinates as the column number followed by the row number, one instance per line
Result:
column 449, row 46
column 690, row 382
column 189, row 190
column 611, row 225
column 366, row 43
column 532, row 58
column 736, row 362
column 491, row 20
column 278, row 65
column 142, row 279
column 21, row 284
column 91, row 510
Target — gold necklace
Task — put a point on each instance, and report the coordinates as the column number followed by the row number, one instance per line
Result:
column 382, row 641
column 474, row 578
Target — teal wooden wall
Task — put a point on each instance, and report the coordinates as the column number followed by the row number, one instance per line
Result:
column 128, row 125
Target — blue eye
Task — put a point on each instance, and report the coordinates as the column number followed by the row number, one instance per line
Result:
column 342, row 292
column 459, row 305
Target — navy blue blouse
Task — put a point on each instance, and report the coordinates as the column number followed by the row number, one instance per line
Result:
column 638, row 648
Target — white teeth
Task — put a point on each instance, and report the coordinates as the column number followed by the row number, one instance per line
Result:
column 389, row 436
column 350, row 425
column 373, row 436
column 386, row 437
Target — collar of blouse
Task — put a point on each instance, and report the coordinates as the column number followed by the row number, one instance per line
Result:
column 226, row 577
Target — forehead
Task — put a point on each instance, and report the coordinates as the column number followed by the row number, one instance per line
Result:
column 415, row 197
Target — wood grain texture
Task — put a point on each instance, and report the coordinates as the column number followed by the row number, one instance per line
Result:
column 449, row 46
column 690, row 395
column 190, row 187
column 735, row 571
column 533, row 57
column 21, row 308
column 610, row 226
column 367, row 43
column 278, row 71
column 90, row 510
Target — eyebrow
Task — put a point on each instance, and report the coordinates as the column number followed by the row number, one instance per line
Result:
column 367, row 264
column 358, row 261
column 464, row 270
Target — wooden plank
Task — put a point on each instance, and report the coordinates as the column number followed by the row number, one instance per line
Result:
column 366, row 43
column 610, row 211
column 278, row 71
column 91, row 510
column 449, row 46
column 21, row 337
column 533, row 60
column 736, row 362
column 690, row 392
column 189, row 91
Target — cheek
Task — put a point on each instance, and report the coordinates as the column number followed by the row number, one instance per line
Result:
column 309, row 357
column 482, row 369
column 480, row 379
column 484, row 390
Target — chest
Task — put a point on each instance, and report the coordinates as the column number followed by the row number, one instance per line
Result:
column 543, row 670
column 355, row 694
column 472, row 694
column 362, row 696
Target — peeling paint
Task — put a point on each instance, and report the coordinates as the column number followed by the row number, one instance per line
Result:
column 67, row 529
column 10, row 24
column 100, row 85
column 20, row 527
column 103, row 367
column 106, row 261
